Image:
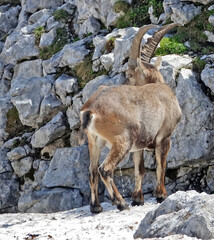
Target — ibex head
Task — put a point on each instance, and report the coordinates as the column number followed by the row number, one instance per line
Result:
column 140, row 71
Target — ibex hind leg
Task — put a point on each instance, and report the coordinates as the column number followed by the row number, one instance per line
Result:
column 117, row 153
column 137, row 196
column 161, row 152
column 95, row 145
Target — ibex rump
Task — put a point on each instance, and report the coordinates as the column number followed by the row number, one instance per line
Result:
column 128, row 119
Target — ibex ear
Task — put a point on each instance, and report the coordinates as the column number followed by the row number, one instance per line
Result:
column 158, row 63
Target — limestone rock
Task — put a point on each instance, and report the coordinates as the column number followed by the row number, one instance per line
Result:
column 28, row 69
column 71, row 55
column 50, row 132
column 69, row 168
column 19, row 153
column 107, row 61
column 102, row 10
column 73, row 112
column 8, row 20
column 91, row 25
column 66, row 86
column 32, row 6
column 23, row 166
column 14, row 51
column 210, row 36
column 39, row 173
column 188, row 213
column 209, row 178
column 211, row 20
column 32, row 98
column 180, row 12
column 47, row 38
column 195, row 128
column 207, row 76
column 104, row 80
column 49, row 150
column 5, row 105
column 50, row 200
column 205, row 2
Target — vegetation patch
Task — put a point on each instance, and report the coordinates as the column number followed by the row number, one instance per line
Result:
column 13, row 125
column 84, row 73
column 110, row 44
column 170, row 46
column 198, row 64
column 61, row 14
column 11, row 2
column 57, row 45
column 38, row 33
column 137, row 14
column 194, row 33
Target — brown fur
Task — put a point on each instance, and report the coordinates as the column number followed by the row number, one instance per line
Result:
column 128, row 119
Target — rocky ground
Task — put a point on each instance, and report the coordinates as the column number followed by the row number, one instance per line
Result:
column 177, row 213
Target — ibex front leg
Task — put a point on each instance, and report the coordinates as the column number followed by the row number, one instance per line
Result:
column 95, row 145
column 117, row 153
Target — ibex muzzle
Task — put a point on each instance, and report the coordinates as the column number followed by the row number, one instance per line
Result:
column 129, row 119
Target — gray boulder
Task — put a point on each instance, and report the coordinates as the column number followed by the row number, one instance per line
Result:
column 23, row 166
column 50, row 132
column 210, row 179
column 91, row 25
column 47, row 38
column 5, row 105
column 71, row 55
column 32, row 6
column 195, row 131
column 102, row 10
column 180, row 12
column 66, row 87
column 207, row 76
column 19, row 153
column 8, row 20
column 188, row 213
column 210, row 36
column 34, row 99
column 73, row 112
column 104, row 80
column 28, row 69
column 9, row 185
column 14, row 51
column 69, row 168
column 50, row 200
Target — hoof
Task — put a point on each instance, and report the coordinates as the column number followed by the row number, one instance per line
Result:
column 96, row 209
column 160, row 200
column 135, row 203
column 123, row 206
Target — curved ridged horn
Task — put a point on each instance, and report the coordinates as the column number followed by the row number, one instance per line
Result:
column 151, row 45
column 135, row 47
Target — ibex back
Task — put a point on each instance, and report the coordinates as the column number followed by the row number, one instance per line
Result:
column 129, row 119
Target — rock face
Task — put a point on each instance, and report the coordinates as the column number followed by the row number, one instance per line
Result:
column 188, row 213
column 42, row 165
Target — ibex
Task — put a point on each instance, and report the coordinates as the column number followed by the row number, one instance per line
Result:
column 131, row 118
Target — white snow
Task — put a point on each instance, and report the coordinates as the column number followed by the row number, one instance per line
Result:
column 77, row 224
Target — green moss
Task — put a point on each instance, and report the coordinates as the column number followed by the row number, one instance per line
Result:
column 11, row 2
column 38, row 32
column 157, row 7
column 198, row 64
column 170, row 46
column 121, row 6
column 61, row 14
column 109, row 47
column 84, row 73
column 13, row 125
column 137, row 14
column 59, row 42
